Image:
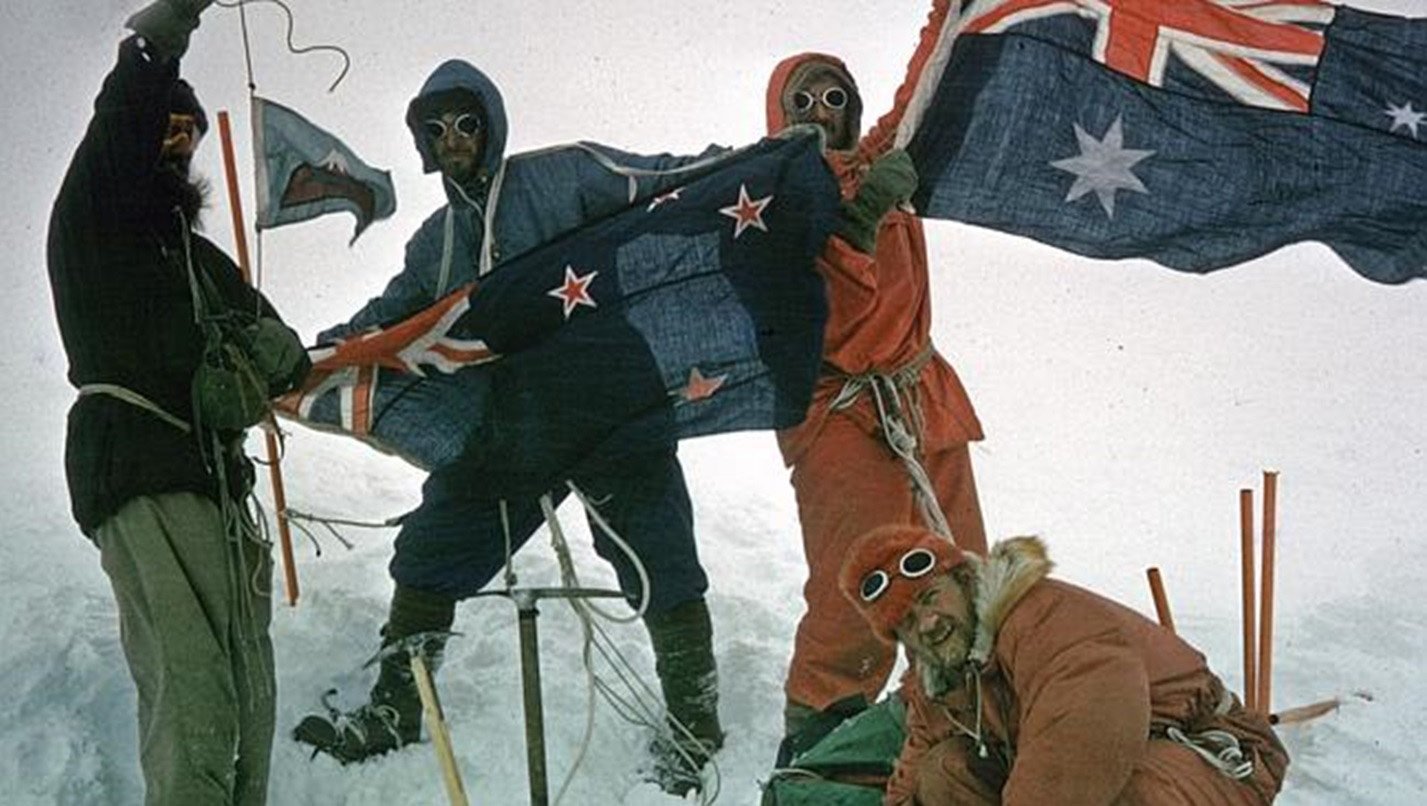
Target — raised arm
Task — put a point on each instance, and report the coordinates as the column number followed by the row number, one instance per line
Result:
column 882, row 135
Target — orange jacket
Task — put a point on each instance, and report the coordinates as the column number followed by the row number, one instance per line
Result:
column 879, row 316
column 1071, row 686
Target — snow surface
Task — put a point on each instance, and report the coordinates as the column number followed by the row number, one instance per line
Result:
column 1125, row 406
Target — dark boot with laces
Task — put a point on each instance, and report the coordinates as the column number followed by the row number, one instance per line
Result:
column 391, row 718
column 682, row 639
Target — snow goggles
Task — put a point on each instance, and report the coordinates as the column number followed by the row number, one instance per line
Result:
column 834, row 98
column 466, row 124
column 915, row 563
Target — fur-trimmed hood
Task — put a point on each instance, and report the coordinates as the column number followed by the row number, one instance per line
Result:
column 1002, row 577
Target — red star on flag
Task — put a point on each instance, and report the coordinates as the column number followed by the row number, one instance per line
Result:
column 699, row 387
column 747, row 212
column 663, row 197
column 575, row 291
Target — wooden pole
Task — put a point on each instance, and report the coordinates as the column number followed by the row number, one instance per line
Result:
column 1303, row 713
column 1246, row 557
column 235, row 206
column 440, row 733
column 1270, row 515
column 1161, row 602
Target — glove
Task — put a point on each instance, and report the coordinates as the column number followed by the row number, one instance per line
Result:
column 167, row 24
column 277, row 355
column 891, row 179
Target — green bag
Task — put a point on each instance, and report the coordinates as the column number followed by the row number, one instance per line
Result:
column 849, row 766
column 229, row 393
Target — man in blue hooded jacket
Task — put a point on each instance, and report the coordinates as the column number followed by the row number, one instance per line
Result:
column 455, row 541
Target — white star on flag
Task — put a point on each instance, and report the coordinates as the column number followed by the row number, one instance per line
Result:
column 1103, row 166
column 672, row 195
column 700, row 387
column 746, row 212
column 1404, row 117
column 574, row 291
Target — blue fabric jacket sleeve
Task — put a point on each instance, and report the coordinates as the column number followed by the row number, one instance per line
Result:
column 412, row 289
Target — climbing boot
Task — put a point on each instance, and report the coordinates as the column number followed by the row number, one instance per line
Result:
column 419, row 624
column 682, row 639
column 805, row 726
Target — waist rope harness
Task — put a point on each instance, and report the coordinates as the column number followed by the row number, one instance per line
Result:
column 900, row 416
column 239, row 523
column 1219, row 748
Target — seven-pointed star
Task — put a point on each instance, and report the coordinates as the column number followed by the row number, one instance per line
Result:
column 1404, row 117
column 575, row 291
column 699, row 387
column 747, row 212
column 1103, row 166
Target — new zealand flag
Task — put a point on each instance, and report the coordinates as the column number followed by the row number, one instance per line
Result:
column 1195, row 133
column 695, row 312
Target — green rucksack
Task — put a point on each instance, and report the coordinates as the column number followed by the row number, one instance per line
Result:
column 849, row 766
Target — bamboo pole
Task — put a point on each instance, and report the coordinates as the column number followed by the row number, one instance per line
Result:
column 1161, row 602
column 440, row 733
column 1246, row 556
column 1270, row 527
column 235, row 206
column 1303, row 713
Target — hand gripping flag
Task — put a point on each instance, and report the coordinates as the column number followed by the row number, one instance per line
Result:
column 695, row 312
column 305, row 172
column 1195, row 133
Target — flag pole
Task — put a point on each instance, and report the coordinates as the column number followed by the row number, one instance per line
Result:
column 1161, row 602
column 1270, row 527
column 235, row 206
column 1246, row 563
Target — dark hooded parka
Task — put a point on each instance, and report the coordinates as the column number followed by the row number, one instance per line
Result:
column 119, row 242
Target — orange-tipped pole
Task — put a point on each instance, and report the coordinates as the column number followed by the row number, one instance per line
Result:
column 235, row 205
column 1161, row 602
column 1246, row 557
column 1270, row 526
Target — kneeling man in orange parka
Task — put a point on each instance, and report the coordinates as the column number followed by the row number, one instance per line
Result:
column 1028, row 690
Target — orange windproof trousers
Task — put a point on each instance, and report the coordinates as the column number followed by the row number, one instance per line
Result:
column 847, row 483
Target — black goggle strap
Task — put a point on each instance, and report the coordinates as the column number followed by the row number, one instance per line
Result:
column 917, row 562
column 832, row 98
column 466, row 124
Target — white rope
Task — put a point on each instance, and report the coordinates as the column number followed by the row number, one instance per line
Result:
column 898, row 433
column 640, row 704
column 134, row 399
column 1219, row 748
column 639, row 569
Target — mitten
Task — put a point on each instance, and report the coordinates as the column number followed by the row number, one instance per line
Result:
column 891, row 179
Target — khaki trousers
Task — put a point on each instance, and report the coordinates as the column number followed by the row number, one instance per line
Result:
column 194, row 613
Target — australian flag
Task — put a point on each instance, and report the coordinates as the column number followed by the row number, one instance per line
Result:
column 695, row 312
column 1196, row 133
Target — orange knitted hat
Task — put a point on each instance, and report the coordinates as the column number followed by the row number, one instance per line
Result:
column 888, row 567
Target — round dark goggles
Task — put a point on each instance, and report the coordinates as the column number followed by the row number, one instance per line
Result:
column 915, row 563
column 467, row 124
column 834, row 98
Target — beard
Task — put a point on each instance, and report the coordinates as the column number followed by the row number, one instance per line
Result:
column 177, row 188
column 938, row 678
